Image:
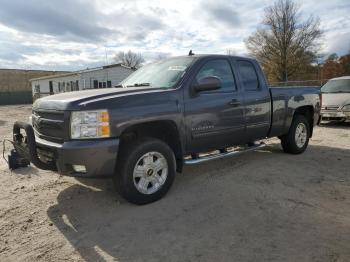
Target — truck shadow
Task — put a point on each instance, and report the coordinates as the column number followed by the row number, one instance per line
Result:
column 220, row 205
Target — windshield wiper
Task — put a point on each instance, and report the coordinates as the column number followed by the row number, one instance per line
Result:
column 139, row 84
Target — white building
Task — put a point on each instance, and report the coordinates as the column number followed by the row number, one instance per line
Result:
column 100, row 77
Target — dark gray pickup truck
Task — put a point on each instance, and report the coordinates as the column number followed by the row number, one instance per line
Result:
column 182, row 110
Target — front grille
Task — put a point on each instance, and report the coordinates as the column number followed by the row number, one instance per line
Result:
column 49, row 125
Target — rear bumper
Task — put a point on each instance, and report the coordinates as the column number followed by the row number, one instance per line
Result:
column 98, row 157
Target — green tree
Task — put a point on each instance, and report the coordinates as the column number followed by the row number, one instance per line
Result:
column 332, row 57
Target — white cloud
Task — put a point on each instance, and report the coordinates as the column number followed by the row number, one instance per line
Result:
column 73, row 34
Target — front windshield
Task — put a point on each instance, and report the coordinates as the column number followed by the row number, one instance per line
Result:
column 337, row 86
column 162, row 74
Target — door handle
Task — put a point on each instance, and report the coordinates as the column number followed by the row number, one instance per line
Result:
column 234, row 102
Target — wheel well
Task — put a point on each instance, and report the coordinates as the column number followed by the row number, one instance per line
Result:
column 164, row 130
column 308, row 112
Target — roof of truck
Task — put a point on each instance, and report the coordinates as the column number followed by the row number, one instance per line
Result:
column 220, row 55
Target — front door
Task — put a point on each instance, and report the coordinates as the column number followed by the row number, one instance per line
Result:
column 214, row 119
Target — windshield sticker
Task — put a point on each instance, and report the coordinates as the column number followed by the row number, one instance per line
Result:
column 176, row 68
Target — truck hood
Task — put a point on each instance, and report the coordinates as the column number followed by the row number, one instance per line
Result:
column 66, row 101
column 335, row 99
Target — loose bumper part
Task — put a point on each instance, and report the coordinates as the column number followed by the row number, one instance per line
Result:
column 94, row 158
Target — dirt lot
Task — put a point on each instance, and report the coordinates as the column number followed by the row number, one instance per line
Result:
column 261, row 206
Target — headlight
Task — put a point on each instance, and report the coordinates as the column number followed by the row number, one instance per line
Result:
column 346, row 108
column 89, row 124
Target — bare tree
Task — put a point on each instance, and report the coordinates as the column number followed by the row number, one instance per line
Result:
column 284, row 44
column 129, row 58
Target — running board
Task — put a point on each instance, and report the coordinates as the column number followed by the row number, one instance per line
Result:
column 223, row 155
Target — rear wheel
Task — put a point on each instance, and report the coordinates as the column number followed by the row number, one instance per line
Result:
column 297, row 138
column 145, row 171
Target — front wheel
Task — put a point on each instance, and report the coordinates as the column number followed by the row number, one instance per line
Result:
column 145, row 171
column 297, row 138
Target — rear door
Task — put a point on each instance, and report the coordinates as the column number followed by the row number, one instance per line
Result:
column 214, row 119
column 257, row 100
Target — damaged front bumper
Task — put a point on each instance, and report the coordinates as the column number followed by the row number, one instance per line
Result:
column 83, row 158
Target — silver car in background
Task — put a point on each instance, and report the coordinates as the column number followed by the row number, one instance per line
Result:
column 336, row 99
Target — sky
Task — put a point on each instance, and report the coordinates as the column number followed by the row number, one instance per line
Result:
column 76, row 34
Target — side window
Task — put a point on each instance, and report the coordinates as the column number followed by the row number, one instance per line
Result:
column 221, row 69
column 248, row 75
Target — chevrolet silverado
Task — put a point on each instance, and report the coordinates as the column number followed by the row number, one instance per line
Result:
column 182, row 110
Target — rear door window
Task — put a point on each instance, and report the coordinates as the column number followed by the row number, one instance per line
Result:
column 249, row 77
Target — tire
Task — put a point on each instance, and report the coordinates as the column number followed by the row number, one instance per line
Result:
column 145, row 171
column 297, row 138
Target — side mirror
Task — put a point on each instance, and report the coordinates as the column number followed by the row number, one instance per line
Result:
column 208, row 83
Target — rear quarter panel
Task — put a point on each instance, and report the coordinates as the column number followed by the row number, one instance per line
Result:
column 285, row 100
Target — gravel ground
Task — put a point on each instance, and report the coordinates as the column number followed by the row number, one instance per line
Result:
column 260, row 206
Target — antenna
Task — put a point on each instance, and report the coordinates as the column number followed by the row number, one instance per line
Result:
column 190, row 53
